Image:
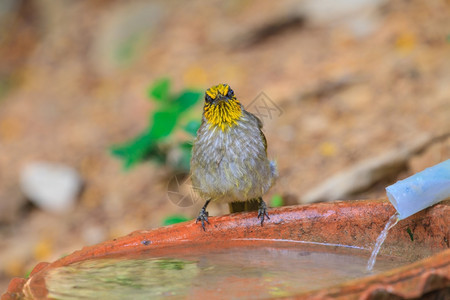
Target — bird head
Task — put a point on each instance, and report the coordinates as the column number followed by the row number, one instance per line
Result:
column 221, row 108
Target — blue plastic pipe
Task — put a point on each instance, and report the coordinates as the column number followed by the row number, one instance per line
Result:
column 421, row 190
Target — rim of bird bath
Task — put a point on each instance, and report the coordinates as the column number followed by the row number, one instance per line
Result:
column 349, row 223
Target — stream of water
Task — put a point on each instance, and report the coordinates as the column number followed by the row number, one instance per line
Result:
column 380, row 240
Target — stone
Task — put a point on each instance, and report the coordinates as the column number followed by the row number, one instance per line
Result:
column 362, row 17
column 365, row 174
column 51, row 187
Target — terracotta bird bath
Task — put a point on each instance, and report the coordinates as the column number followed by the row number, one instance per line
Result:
column 314, row 251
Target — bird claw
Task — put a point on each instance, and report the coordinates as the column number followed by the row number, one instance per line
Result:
column 203, row 217
column 262, row 211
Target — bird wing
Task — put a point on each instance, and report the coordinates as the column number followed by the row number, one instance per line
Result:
column 260, row 126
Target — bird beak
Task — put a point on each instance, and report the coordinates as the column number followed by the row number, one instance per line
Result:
column 220, row 99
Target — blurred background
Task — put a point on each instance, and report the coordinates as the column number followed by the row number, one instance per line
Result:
column 353, row 90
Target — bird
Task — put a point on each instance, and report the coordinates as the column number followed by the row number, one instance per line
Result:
column 229, row 162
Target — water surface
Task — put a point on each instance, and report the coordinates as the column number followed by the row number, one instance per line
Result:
column 265, row 270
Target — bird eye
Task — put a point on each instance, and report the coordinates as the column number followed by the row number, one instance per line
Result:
column 230, row 93
column 208, row 98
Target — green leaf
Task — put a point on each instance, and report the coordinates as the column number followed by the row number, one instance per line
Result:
column 276, row 201
column 163, row 124
column 157, row 155
column 186, row 100
column 192, row 127
column 145, row 146
column 174, row 219
column 135, row 150
column 160, row 90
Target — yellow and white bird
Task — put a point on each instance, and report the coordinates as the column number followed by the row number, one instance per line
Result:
column 229, row 156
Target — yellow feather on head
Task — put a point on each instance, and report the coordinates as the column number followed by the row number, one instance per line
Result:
column 221, row 109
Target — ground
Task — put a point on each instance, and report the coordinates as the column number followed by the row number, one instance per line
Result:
column 346, row 84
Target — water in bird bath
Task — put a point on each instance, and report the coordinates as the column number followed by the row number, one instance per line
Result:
column 393, row 220
column 263, row 269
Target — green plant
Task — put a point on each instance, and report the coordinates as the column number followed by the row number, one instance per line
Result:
column 157, row 142
column 276, row 201
column 174, row 219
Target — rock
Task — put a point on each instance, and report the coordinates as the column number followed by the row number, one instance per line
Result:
column 362, row 17
column 366, row 173
column 51, row 187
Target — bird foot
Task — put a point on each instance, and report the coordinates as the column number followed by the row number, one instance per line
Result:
column 262, row 211
column 203, row 217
